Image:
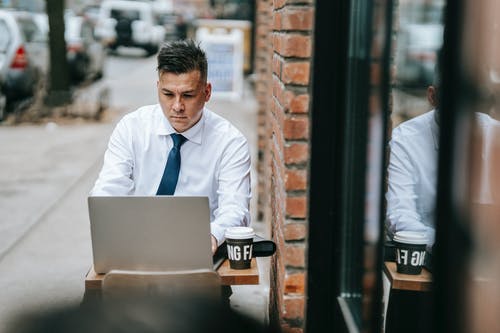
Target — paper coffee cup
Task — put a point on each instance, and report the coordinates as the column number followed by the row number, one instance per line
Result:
column 410, row 251
column 239, row 242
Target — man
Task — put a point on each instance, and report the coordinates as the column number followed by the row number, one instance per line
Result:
column 412, row 171
column 179, row 147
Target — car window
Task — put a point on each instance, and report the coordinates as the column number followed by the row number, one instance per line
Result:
column 4, row 36
column 29, row 30
column 130, row 14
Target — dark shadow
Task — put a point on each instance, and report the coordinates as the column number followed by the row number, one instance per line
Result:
column 181, row 315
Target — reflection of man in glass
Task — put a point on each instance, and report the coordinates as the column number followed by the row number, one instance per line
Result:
column 412, row 171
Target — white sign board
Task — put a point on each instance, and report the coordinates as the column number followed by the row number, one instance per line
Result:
column 224, row 52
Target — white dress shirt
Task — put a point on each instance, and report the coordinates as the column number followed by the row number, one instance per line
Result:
column 215, row 162
column 412, row 174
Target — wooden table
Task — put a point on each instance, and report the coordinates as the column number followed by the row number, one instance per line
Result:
column 421, row 282
column 93, row 281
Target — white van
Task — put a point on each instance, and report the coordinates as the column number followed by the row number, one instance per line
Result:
column 129, row 23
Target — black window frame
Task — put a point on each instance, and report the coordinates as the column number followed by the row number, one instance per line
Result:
column 339, row 120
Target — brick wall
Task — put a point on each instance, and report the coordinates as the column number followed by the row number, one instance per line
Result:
column 283, row 62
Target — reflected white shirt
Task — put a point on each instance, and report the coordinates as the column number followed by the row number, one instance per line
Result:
column 215, row 162
column 412, row 174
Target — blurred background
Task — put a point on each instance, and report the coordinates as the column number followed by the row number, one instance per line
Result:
column 419, row 35
column 85, row 41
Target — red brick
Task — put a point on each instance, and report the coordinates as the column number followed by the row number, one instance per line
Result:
column 297, row 19
column 294, row 45
column 279, row 114
column 277, row 20
column 298, row 103
column 295, row 73
column 296, row 180
column 294, row 307
column 295, row 283
column 278, row 3
column 296, row 128
column 294, row 255
column 295, row 231
column 296, row 153
column 279, row 91
column 280, row 249
column 277, row 65
column 296, row 207
column 277, row 39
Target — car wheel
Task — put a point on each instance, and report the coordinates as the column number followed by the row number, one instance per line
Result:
column 80, row 69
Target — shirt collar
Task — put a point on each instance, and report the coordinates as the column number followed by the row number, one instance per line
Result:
column 194, row 134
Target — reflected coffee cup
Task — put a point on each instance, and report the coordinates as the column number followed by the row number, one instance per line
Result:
column 239, row 241
column 410, row 251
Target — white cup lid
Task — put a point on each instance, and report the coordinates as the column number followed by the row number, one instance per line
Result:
column 239, row 232
column 410, row 237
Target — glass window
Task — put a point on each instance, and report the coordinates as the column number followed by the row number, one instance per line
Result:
column 413, row 151
column 414, row 140
column 4, row 36
column 29, row 29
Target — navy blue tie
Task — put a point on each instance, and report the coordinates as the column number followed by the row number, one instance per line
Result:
column 171, row 172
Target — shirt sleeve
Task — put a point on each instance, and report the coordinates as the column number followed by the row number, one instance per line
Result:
column 115, row 177
column 402, row 212
column 233, row 189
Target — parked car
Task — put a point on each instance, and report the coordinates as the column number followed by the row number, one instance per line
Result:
column 86, row 55
column 129, row 23
column 23, row 54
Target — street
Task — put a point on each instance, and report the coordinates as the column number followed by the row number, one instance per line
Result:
column 47, row 172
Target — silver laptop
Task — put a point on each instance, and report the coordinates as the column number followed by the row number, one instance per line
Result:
column 150, row 233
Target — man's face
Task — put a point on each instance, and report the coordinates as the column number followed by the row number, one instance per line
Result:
column 182, row 97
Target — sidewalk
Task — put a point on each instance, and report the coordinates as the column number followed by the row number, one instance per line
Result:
column 45, row 240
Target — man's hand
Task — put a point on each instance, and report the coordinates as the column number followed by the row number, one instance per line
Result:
column 214, row 244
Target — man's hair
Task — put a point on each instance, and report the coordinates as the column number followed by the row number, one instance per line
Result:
column 181, row 57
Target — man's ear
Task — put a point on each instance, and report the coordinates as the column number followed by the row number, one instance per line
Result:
column 208, row 91
column 432, row 96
